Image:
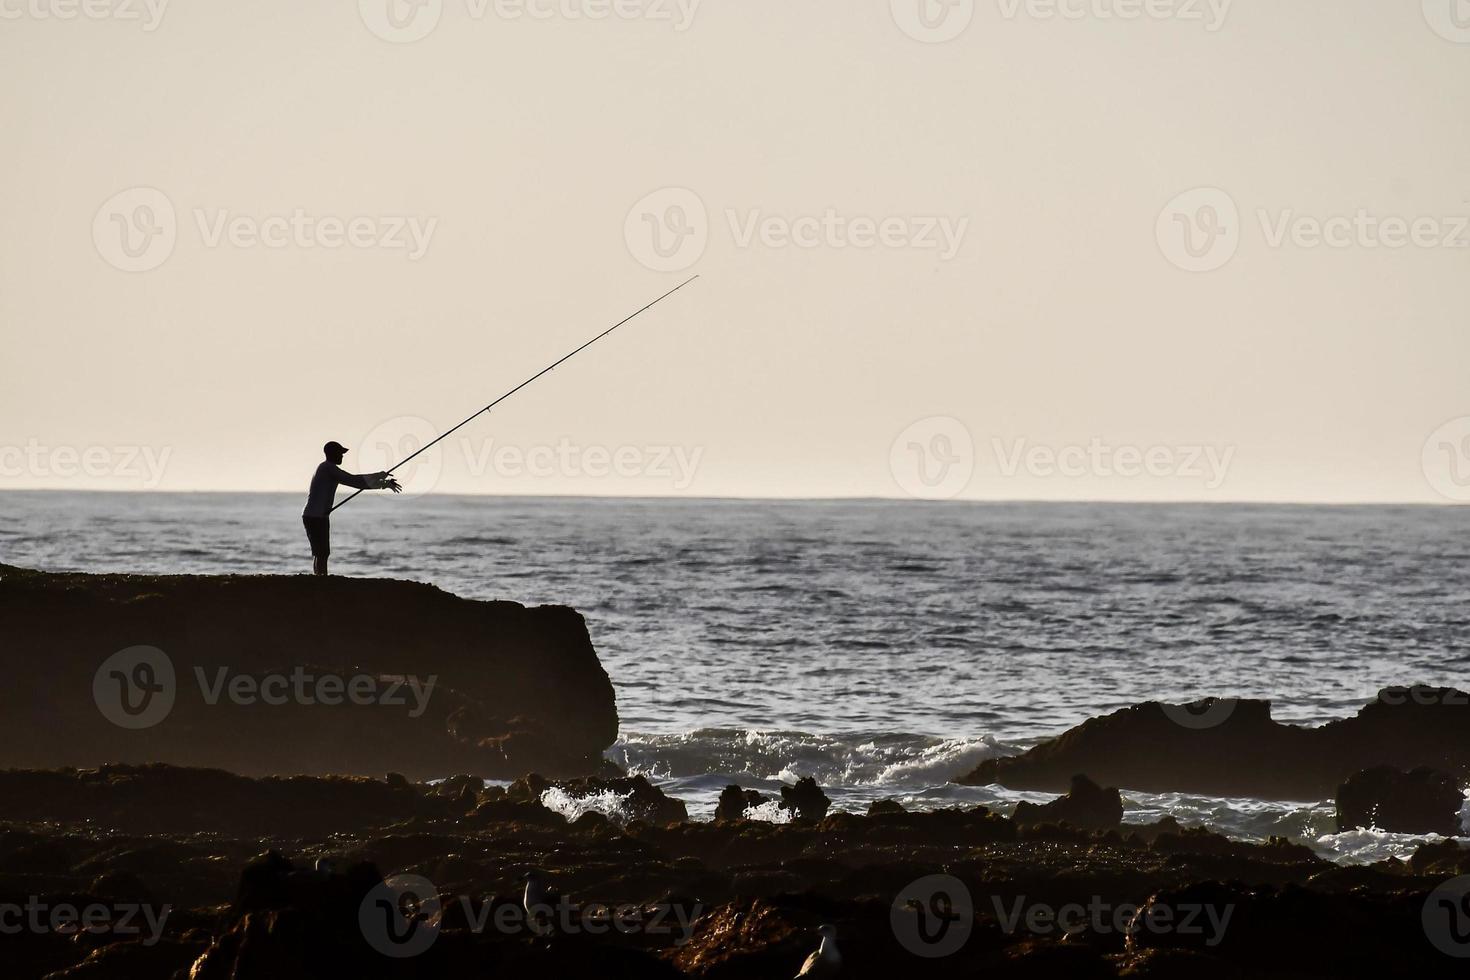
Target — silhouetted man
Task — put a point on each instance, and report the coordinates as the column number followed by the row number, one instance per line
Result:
column 317, row 516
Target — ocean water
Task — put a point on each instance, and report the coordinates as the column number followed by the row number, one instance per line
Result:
column 881, row 647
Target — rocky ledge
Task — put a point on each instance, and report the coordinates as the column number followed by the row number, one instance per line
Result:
column 293, row 674
column 312, row 878
column 1221, row 747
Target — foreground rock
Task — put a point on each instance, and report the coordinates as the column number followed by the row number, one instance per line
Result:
column 275, row 674
column 1419, row 802
column 722, row 901
column 1228, row 748
column 1087, row 806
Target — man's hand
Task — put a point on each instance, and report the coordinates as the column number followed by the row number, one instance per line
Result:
column 384, row 481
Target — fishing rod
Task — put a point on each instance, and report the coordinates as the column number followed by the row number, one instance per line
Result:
column 546, row 370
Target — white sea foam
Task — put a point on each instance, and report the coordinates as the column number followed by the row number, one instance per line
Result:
column 769, row 812
column 1368, row 846
column 609, row 803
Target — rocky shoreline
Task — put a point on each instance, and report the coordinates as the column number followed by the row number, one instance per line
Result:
column 237, row 835
column 278, row 886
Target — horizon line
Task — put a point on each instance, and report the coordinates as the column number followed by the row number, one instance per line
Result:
column 776, row 499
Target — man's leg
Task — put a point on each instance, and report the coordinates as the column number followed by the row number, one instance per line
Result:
column 317, row 532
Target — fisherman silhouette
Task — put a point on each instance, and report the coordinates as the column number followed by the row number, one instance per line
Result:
column 324, row 483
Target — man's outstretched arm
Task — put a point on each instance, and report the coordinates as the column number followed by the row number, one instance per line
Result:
column 368, row 481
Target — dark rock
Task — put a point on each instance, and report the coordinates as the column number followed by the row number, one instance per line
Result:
column 1297, row 931
column 1422, row 801
column 163, row 799
column 1228, row 748
column 734, row 801
column 1086, row 806
column 1447, row 858
column 515, row 689
column 880, row 808
column 806, row 799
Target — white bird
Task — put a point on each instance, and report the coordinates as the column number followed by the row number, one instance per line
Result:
column 826, row 961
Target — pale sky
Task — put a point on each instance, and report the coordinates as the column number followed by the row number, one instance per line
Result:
column 942, row 250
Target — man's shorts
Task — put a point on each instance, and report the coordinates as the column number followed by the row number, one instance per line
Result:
column 319, row 533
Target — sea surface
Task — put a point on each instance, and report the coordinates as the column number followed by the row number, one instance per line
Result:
column 881, row 647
